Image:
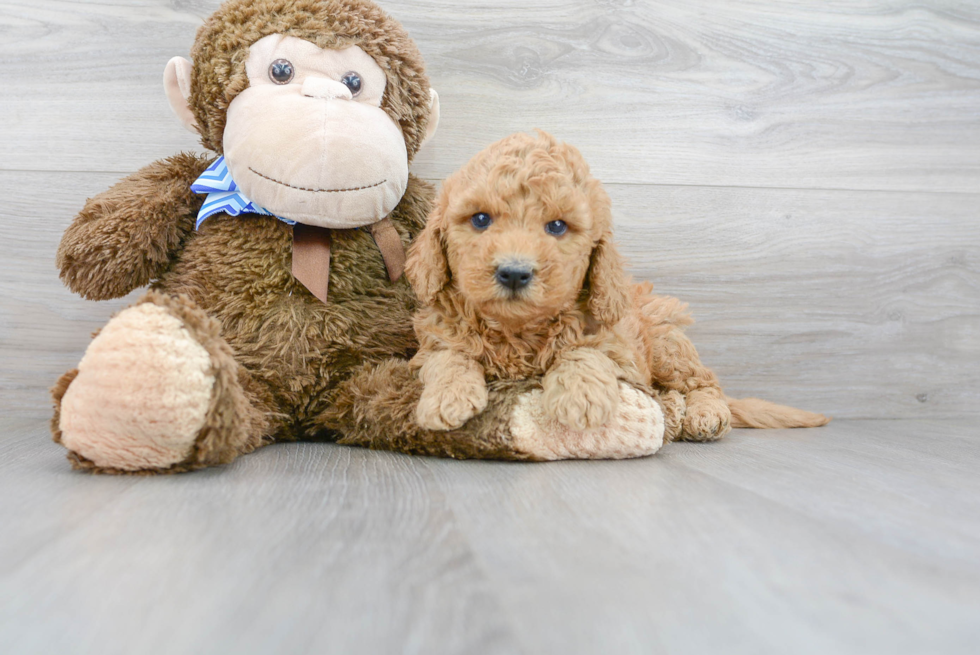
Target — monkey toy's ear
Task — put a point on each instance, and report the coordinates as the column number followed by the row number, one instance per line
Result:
column 177, row 84
column 427, row 267
column 433, row 123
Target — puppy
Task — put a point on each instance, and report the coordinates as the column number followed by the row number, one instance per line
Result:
column 518, row 276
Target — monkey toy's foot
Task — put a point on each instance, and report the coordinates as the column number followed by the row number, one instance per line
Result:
column 157, row 391
column 634, row 429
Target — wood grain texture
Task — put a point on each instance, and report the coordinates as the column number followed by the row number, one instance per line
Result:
column 858, row 304
column 813, row 542
column 839, row 301
column 44, row 328
column 878, row 94
column 312, row 550
column 860, row 537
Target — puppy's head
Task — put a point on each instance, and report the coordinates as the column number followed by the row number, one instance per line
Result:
column 521, row 230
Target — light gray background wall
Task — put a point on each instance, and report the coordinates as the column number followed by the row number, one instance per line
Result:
column 805, row 174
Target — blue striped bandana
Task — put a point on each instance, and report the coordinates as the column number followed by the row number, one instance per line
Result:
column 224, row 196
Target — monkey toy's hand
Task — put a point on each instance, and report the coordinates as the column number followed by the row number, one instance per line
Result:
column 127, row 236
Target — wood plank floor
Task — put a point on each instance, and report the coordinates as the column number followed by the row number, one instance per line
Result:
column 861, row 537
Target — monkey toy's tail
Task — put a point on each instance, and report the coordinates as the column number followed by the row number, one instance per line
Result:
column 755, row 413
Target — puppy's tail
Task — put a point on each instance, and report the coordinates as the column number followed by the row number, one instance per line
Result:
column 755, row 413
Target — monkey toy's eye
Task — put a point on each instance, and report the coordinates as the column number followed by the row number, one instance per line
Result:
column 481, row 220
column 352, row 81
column 281, row 71
column 556, row 228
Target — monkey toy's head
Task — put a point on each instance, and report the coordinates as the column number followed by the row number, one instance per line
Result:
column 318, row 106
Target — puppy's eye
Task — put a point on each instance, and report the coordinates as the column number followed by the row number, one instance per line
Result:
column 481, row 220
column 281, row 71
column 556, row 228
column 352, row 81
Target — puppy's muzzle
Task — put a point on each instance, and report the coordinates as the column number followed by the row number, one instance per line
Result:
column 514, row 276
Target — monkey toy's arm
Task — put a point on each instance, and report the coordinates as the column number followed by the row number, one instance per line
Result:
column 127, row 236
column 377, row 407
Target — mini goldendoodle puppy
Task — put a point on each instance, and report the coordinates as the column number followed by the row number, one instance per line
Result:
column 519, row 277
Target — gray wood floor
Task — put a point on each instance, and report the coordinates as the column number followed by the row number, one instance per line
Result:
column 861, row 537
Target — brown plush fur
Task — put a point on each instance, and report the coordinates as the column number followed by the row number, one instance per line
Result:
column 129, row 235
column 376, row 409
column 581, row 323
column 237, row 419
column 277, row 352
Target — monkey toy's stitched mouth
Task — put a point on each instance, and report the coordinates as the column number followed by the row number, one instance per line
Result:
column 299, row 188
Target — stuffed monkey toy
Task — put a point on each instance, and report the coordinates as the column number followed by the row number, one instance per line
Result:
column 275, row 264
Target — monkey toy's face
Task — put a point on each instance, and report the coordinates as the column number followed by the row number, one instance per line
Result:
column 308, row 139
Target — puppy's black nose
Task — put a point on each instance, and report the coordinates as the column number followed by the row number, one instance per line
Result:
column 514, row 277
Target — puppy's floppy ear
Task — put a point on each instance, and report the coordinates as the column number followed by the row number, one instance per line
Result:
column 427, row 267
column 606, row 281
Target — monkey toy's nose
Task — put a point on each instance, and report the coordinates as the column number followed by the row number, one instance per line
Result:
column 514, row 277
column 327, row 89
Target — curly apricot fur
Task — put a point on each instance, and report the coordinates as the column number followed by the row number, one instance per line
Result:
column 581, row 322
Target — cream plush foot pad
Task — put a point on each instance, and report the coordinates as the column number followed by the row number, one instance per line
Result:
column 141, row 395
column 637, row 430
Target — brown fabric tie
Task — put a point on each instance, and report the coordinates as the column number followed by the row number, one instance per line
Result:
column 390, row 245
column 311, row 258
column 311, row 254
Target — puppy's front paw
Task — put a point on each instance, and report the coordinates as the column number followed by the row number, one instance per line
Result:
column 707, row 419
column 447, row 408
column 580, row 404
